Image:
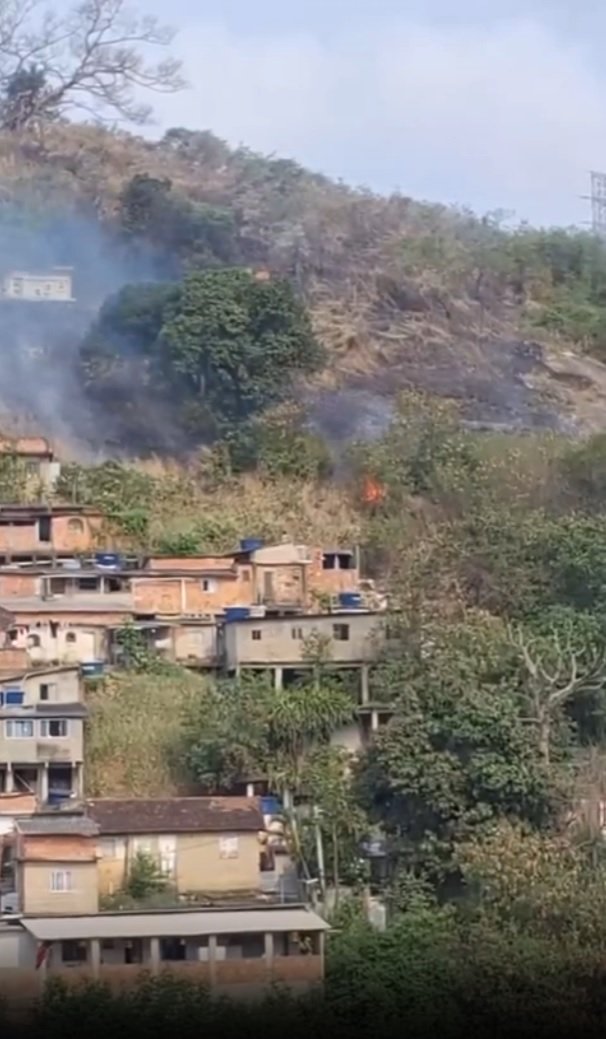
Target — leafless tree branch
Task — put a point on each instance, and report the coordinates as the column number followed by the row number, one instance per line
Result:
column 95, row 58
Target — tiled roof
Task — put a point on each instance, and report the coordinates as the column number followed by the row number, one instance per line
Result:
column 177, row 815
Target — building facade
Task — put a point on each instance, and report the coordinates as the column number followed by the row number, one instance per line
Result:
column 42, row 717
column 202, row 845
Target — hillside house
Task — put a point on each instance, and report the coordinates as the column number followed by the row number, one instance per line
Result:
column 42, row 718
column 278, row 644
column 204, row 845
column 53, row 286
column 54, row 860
column 237, row 952
column 66, row 632
column 37, row 456
column 29, row 532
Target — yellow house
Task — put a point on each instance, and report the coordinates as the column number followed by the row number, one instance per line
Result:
column 55, row 864
column 204, row 845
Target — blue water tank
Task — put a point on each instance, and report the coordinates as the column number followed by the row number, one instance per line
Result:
column 14, row 697
column 350, row 600
column 250, row 544
column 236, row 613
column 108, row 560
column 92, row 668
column 271, row 805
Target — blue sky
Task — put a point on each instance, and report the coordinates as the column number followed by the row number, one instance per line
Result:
column 491, row 105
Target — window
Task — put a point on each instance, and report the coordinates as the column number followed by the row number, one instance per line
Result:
column 329, row 561
column 48, row 690
column 172, row 949
column 256, row 634
column 88, row 584
column 209, row 584
column 340, row 632
column 44, row 528
column 108, row 847
column 228, row 847
column 73, row 952
column 71, row 636
column 23, row 729
column 13, row 635
column 61, row 880
column 297, row 633
column 33, row 641
column 58, row 585
column 54, row 728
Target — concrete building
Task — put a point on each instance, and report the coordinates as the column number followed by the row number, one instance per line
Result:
column 29, row 532
column 64, row 632
column 53, row 286
column 36, row 454
column 55, row 864
column 352, row 640
column 42, row 734
column 204, row 845
column 239, row 952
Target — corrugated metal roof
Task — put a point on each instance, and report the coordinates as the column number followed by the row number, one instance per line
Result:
column 172, row 925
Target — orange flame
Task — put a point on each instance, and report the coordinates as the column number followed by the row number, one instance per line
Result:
column 373, row 493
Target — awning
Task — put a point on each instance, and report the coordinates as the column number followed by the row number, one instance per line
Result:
column 172, row 925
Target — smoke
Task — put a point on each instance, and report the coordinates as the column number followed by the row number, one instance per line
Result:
column 42, row 389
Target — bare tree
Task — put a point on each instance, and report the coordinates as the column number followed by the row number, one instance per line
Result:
column 556, row 669
column 92, row 59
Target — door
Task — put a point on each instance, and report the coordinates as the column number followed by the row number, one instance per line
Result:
column 268, row 586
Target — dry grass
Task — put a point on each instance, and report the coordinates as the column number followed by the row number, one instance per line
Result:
column 135, row 734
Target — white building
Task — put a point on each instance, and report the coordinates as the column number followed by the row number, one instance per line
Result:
column 52, row 286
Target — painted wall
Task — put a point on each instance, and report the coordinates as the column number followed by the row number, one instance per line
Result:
column 195, row 861
column 282, row 641
column 38, row 896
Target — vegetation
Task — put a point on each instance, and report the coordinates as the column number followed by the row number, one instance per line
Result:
column 221, row 344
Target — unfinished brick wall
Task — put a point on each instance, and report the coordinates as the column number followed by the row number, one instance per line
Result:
column 329, row 582
column 193, row 595
column 18, row 584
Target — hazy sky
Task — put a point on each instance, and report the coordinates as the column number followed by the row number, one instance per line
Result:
column 496, row 104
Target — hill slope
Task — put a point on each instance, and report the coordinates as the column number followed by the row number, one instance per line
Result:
column 403, row 294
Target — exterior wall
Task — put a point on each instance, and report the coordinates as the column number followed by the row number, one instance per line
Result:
column 201, row 865
column 13, row 659
column 40, row 749
column 278, row 644
column 196, row 643
column 38, row 897
column 280, row 584
column 198, row 861
column 37, row 287
column 18, row 584
column 62, row 643
column 65, row 686
column 181, row 595
column 329, row 582
column 193, row 563
column 77, row 533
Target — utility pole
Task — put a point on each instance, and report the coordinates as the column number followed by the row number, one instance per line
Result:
column 320, row 853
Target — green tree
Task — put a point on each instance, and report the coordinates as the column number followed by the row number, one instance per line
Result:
column 237, row 341
column 458, row 752
column 145, row 877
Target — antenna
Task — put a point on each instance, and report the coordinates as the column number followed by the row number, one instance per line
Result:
column 598, row 203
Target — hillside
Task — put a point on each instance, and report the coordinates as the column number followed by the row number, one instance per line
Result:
column 403, row 295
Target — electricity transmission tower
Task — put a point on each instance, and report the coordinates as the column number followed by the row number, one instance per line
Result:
column 598, row 203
